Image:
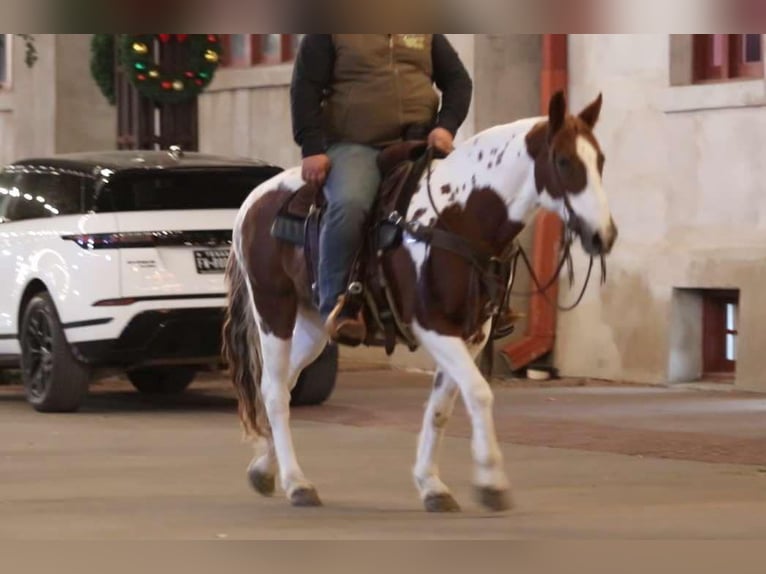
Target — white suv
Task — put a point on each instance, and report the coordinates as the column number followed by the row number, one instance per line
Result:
column 115, row 260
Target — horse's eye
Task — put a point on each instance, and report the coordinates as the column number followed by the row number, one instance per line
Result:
column 563, row 163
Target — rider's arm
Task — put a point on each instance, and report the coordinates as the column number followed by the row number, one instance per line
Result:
column 311, row 77
column 453, row 80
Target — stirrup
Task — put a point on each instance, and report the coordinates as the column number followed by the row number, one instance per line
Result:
column 351, row 331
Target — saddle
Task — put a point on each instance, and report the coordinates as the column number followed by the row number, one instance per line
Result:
column 299, row 222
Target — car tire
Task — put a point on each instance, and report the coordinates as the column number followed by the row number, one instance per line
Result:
column 162, row 381
column 317, row 381
column 54, row 380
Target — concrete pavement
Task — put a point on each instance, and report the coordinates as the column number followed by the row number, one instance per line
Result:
column 130, row 468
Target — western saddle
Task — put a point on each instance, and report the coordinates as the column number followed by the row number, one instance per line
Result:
column 402, row 166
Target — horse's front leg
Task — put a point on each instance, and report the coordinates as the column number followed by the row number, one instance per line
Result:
column 454, row 358
column 435, row 494
column 279, row 377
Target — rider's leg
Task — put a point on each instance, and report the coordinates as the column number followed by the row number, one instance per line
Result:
column 351, row 189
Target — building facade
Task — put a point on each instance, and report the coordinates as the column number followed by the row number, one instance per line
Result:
column 683, row 126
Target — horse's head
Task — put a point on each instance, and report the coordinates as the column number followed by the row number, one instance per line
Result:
column 569, row 166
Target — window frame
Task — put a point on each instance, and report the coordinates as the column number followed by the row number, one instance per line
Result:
column 256, row 57
column 733, row 66
column 715, row 364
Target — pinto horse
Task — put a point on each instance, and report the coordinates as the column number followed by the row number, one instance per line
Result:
column 484, row 190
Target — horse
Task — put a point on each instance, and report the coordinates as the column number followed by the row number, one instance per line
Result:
column 483, row 192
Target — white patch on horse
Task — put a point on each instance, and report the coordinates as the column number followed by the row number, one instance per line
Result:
column 463, row 171
column 457, row 361
column 591, row 204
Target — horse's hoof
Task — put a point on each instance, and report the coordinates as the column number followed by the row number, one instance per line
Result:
column 441, row 503
column 305, row 498
column 494, row 499
column 263, row 484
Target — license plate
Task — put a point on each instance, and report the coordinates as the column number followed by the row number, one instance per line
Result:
column 211, row 261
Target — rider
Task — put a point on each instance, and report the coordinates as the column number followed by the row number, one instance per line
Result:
column 352, row 95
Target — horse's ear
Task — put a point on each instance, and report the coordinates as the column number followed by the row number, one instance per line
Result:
column 591, row 114
column 557, row 113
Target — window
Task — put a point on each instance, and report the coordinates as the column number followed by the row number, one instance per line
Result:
column 721, row 57
column 5, row 190
column 720, row 326
column 209, row 189
column 5, row 60
column 245, row 50
column 39, row 196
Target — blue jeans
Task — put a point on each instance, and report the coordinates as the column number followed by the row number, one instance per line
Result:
column 351, row 189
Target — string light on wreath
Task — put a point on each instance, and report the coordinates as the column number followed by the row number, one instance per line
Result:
column 156, row 81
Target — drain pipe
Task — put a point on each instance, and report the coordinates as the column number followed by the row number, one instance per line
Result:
column 541, row 327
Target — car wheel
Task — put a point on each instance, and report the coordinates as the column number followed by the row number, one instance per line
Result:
column 317, row 381
column 54, row 380
column 162, row 381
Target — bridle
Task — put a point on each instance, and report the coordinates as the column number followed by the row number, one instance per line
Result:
column 498, row 273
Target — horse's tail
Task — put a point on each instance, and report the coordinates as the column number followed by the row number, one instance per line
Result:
column 242, row 350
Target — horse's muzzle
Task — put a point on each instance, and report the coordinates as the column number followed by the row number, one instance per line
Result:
column 600, row 242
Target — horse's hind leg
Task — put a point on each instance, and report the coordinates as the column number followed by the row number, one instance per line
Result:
column 283, row 361
column 454, row 358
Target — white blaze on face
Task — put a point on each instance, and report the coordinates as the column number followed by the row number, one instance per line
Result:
column 591, row 204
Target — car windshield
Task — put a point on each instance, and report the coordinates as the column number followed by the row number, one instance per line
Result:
column 218, row 189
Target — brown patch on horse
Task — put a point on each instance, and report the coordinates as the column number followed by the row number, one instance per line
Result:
column 450, row 298
column 446, row 189
column 273, row 267
column 552, row 144
column 399, row 266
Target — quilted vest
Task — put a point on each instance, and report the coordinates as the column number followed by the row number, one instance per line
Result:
column 382, row 85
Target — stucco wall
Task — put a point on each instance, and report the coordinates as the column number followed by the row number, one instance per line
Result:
column 54, row 107
column 6, row 134
column 84, row 119
column 33, row 93
column 247, row 113
column 685, row 179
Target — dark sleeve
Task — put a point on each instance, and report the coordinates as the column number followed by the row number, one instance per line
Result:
column 312, row 75
column 453, row 80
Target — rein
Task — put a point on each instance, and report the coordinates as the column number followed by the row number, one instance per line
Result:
column 454, row 242
column 566, row 259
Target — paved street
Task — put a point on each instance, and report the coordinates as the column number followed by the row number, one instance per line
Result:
column 586, row 462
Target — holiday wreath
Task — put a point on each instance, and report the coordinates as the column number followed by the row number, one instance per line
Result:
column 154, row 80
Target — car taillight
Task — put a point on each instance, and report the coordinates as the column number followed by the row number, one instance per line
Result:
column 113, row 240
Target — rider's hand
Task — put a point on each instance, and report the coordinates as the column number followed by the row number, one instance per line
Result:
column 315, row 169
column 442, row 140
